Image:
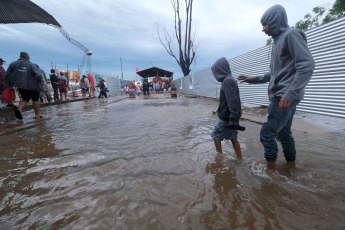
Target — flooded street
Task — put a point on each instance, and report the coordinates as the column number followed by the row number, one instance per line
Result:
column 148, row 163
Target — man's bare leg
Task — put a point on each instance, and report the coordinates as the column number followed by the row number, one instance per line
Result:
column 237, row 148
column 36, row 105
column 21, row 105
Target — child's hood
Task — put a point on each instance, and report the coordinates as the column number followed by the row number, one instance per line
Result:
column 221, row 69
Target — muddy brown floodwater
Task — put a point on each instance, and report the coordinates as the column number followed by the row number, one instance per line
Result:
column 149, row 163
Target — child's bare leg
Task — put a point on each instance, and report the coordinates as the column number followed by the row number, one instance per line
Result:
column 218, row 145
column 237, row 148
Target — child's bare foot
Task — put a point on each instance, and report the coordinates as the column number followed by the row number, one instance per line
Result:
column 239, row 155
column 219, row 157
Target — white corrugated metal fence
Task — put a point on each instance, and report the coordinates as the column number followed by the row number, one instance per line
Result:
column 325, row 93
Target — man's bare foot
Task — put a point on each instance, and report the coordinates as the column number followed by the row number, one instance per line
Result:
column 291, row 164
column 271, row 165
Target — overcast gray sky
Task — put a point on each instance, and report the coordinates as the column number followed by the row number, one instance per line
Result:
column 127, row 29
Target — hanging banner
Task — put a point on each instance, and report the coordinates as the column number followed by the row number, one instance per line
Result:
column 98, row 77
column 92, row 84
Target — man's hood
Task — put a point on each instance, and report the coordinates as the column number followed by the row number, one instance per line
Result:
column 221, row 69
column 276, row 19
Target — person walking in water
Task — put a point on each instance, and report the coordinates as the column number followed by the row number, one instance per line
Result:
column 291, row 68
column 103, row 89
column 138, row 89
column 44, row 94
column 25, row 75
column 55, row 84
column 126, row 89
column 84, row 85
column 229, row 109
column 63, row 85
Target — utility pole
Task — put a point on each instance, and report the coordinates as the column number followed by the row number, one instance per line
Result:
column 67, row 76
column 121, row 69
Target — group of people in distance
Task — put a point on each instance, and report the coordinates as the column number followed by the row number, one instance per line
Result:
column 32, row 84
column 291, row 68
column 59, row 84
column 146, row 87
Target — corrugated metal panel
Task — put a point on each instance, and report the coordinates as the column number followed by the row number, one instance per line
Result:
column 114, row 86
column 253, row 63
column 325, row 93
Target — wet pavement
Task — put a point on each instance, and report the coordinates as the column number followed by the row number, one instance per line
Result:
column 9, row 124
column 149, row 163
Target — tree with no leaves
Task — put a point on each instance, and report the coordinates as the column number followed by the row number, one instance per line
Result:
column 185, row 40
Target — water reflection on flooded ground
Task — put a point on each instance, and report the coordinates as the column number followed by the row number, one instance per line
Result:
column 148, row 163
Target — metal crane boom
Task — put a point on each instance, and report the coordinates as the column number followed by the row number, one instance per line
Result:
column 74, row 42
column 87, row 52
column 25, row 11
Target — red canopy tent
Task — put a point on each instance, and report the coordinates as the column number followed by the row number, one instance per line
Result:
column 157, row 80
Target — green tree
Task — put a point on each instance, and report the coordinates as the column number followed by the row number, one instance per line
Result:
column 269, row 41
column 311, row 21
column 337, row 11
column 314, row 19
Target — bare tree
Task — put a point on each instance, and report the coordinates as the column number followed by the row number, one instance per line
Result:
column 186, row 45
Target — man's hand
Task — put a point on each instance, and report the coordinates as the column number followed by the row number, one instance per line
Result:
column 284, row 104
column 244, row 78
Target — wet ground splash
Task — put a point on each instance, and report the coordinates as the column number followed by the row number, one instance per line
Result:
column 149, row 163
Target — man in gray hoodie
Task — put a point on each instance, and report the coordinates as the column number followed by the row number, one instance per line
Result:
column 291, row 68
column 25, row 75
column 229, row 109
